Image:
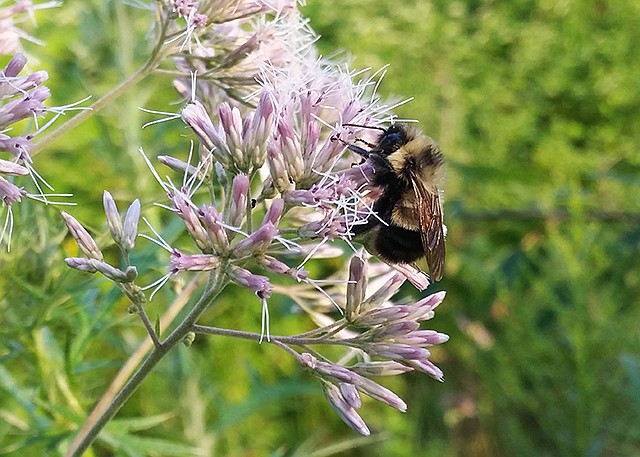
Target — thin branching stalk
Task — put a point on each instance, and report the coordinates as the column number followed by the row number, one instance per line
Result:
column 147, row 366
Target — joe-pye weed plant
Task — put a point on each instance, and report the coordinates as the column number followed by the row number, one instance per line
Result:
column 262, row 186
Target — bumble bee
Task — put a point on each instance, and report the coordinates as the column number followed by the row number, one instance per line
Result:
column 409, row 168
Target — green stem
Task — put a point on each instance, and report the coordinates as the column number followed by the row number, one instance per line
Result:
column 187, row 325
column 116, row 92
column 294, row 340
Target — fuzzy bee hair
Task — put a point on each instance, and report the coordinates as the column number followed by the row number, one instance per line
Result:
column 409, row 168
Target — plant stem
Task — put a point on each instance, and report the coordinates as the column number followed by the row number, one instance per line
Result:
column 295, row 340
column 76, row 120
column 214, row 288
column 132, row 363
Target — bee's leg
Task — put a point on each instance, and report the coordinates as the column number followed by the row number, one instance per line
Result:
column 358, row 150
column 380, row 162
column 360, row 140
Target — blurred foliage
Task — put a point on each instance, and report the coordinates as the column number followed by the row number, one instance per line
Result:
column 537, row 106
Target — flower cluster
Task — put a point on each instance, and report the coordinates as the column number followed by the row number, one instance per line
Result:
column 283, row 153
column 230, row 49
column 270, row 182
column 21, row 97
column 387, row 340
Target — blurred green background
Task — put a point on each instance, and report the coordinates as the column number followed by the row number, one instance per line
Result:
column 537, row 107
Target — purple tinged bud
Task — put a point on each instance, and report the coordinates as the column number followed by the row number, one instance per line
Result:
column 278, row 169
column 385, row 292
column 396, row 331
column 342, row 407
column 311, row 196
column 212, row 220
column 395, row 351
column 259, row 285
column 25, row 107
column 113, row 216
column 376, row 391
column 94, row 266
column 425, row 366
column 274, row 213
column 327, row 370
column 341, row 374
column 196, row 117
column 330, row 227
column 124, row 236
column 12, row 168
column 231, row 122
column 184, row 208
column 311, row 143
column 19, row 146
column 85, row 241
column 350, row 394
column 423, row 309
column 425, row 338
column 257, row 242
column 381, row 316
column 406, row 332
column 356, row 287
column 241, row 52
column 35, row 79
column 258, row 133
column 291, row 150
column 15, row 65
column 178, row 165
column 131, row 219
column 239, row 199
column 82, row 264
column 192, row 262
column 9, row 192
column 382, row 368
column 414, row 275
column 276, row 266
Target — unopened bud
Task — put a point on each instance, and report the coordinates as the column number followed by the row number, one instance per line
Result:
column 85, row 241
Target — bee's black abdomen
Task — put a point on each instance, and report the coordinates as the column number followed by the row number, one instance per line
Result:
column 398, row 245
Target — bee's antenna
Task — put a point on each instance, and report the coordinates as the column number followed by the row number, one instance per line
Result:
column 382, row 129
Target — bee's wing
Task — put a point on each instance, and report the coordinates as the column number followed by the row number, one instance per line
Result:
column 431, row 230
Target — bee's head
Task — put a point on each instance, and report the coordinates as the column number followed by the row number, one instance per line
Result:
column 392, row 139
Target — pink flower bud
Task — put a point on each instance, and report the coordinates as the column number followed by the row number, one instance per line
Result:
column 15, row 65
column 212, row 220
column 10, row 193
column 274, row 213
column 12, row 168
column 350, row 394
column 381, row 368
column 259, row 285
column 427, row 367
column 192, row 262
column 276, row 266
column 178, row 165
column 345, row 411
column 356, row 287
column 257, row 242
column 239, row 198
column 185, row 209
column 113, row 216
column 85, row 241
column 130, row 232
column 278, row 169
